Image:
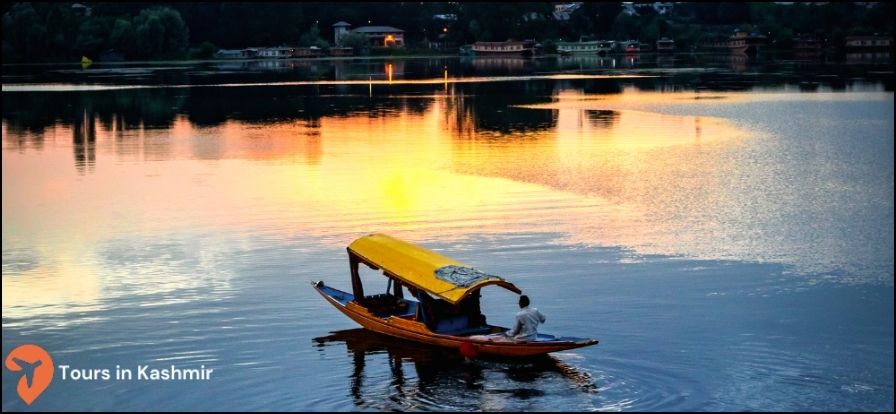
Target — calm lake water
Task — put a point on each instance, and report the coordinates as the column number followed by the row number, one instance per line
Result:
column 723, row 226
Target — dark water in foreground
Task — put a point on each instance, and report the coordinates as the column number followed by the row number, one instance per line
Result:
column 723, row 226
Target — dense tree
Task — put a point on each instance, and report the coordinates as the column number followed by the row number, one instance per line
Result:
column 625, row 27
column 123, row 37
column 501, row 21
column 24, row 34
column 61, row 27
column 359, row 41
column 259, row 24
column 313, row 38
column 206, row 50
column 91, row 38
column 160, row 32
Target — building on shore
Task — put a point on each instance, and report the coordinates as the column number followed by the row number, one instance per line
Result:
column 869, row 43
column 382, row 36
column 340, row 29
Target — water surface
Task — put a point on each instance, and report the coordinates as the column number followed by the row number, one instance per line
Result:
column 724, row 227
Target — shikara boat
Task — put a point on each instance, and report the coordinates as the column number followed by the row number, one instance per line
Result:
column 442, row 303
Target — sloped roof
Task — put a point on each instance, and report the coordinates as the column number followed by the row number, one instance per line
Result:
column 441, row 276
column 377, row 29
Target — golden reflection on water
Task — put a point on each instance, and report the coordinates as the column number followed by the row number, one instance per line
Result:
column 596, row 175
column 614, row 154
column 63, row 286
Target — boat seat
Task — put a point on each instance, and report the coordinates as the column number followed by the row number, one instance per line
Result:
column 410, row 311
column 453, row 324
column 385, row 304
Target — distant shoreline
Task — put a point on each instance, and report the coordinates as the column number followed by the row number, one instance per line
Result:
column 172, row 61
column 770, row 54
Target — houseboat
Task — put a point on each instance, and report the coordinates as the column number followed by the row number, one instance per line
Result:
column 665, row 45
column 508, row 48
column 806, row 44
column 277, row 52
column 342, row 51
column 589, row 47
column 605, row 46
column 739, row 42
column 236, row 53
column 726, row 45
column 442, row 306
column 869, row 43
column 571, row 48
column 631, row 46
column 807, row 47
column 307, row 52
column 229, row 54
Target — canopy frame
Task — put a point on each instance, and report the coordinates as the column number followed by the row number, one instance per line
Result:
column 412, row 265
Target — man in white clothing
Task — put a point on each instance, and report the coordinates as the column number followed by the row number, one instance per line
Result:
column 527, row 320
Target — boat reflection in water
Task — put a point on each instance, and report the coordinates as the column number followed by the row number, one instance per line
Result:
column 442, row 379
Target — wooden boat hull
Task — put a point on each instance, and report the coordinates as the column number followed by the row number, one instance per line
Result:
column 409, row 329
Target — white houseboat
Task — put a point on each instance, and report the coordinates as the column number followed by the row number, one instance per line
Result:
column 590, row 47
column 509, row 48
column 571, row 48
column 665, row 45
column 277, row 52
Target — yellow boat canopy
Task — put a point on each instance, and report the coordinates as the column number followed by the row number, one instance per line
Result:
column 424, row 269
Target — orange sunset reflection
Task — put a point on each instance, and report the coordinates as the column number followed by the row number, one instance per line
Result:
column 590, row 173
column 406, row 171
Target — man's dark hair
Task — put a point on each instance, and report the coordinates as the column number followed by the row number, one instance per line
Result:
column 524, row 301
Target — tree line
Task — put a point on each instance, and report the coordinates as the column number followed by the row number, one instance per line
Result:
column 35, row 32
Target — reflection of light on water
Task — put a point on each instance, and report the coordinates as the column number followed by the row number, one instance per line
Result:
column 604, row 170
column 425, row 377
column 638, row 162
column 55, row 288
column 61, row 87
column 418, row 175
column 632, row 98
